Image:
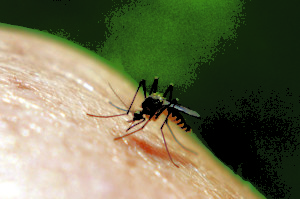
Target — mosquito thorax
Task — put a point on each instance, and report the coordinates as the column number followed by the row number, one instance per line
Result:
column 152, row 103
column 156, row 99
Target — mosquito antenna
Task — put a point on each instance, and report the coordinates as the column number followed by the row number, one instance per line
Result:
column 118, row 98
column 112, row 105
column 117, row 107
column 179, row 142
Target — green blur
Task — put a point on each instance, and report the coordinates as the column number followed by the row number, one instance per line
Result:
column 170, row 39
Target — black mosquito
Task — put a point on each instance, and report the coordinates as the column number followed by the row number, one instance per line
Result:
column 152, row 107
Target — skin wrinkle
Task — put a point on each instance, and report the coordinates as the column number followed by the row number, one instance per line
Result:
column 50, row 148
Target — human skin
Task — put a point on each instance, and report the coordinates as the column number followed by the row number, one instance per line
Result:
column 50, row 148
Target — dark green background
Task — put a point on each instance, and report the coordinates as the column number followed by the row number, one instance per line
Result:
column 244, row 83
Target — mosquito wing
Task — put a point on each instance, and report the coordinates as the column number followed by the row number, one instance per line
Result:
column 186, row 110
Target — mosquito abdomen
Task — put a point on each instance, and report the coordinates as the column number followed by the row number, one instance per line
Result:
column 179, row 120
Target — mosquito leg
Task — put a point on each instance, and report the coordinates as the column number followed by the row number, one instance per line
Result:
column 160, row 111
column 178, row 141
column 154, row 86
column 143, row 84
column 135, row 124
column 106, row 116
column 161, row 129
column 169, row 90
column 117, row 138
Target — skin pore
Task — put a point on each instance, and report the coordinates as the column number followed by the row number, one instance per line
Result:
column 50, row 148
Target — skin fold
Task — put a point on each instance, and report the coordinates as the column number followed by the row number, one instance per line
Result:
column 50, row 148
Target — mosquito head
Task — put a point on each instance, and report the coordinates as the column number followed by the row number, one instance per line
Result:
column 138, row 115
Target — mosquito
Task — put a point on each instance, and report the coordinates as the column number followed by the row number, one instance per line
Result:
column 152, row 107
